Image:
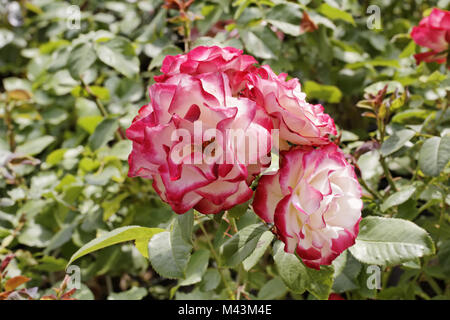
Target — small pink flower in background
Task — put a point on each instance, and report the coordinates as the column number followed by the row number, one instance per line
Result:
column 300, row 123
column 314, row 202
column 181, row 175
column 433, row 32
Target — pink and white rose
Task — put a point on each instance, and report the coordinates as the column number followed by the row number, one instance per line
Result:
column 314, row 201
column 204, row 59
column 300, row 123
column 161, row 153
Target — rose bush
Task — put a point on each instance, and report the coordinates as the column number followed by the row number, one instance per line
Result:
column 299, row 122
column 71, row 201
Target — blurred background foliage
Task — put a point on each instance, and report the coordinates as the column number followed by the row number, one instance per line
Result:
column 70, row 88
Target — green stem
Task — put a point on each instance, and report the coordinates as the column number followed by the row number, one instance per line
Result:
column 374, row 193
column 118, row 134
column 441, row 218
column 109, row 285
column 234, row 225
column 441, row 116
column 425, row 206
column 10, row 127
column 387, row 174
column 216, row 257
column 433, row 284
column 187, row 36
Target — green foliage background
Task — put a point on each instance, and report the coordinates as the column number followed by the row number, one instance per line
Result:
column 67, row 95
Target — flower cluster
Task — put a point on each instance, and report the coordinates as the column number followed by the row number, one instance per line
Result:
column 433, row 32
column 208, row 132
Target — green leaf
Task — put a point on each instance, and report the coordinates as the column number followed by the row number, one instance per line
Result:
column 408, row 210
column 6, row 37
column 141, row 245
column 81, row 58
column 51, row 264
column 256, row 46
column 170, row 252
column 154, row 28
column 392, row 86
column 242, row 5
column 103, row 133
column 390, row 241
column 286, row 17
column 195, row 294
column 89, row 123
column 261, row 247
column 211, row 280
column 319, row 91
column 113, row 237
column 185, row 225
column 134, row 293
column 396, row 141
column 100, row 92
column 374, row 63
column 60, row 238
column 35, row 146
column 298, row 277
column 403, row 116
column 121, row 149
column 238, row 211
column 273, row 289
column 398, row 198
column 55, row 156
column 34, row 235
column 196, row 267
column 112, row 206
column 409, row 50
column 335, row 13
column 119, row 54
column 434, row 155
column 88, row 165
column 347, row 269
column 242, row 244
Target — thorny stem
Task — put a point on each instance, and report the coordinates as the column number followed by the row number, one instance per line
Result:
column 216, row 257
